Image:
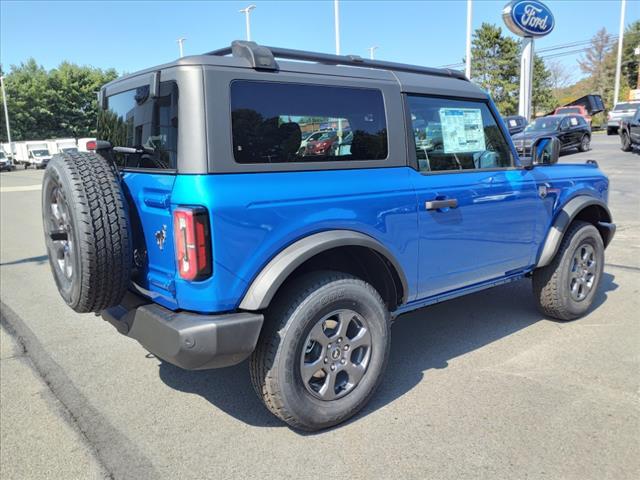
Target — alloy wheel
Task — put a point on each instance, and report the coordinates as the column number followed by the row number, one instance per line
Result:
column 583, row 272
column 336, row 354
column 59, row 237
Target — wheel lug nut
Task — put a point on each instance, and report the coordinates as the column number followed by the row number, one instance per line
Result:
column 342, row 361
column 329, row 346
column 339, row 339
column 333, row 367
column 326, row 360
column 346, row 347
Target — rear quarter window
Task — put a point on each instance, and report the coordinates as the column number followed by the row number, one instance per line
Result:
column 275, row 122
column 134, row 119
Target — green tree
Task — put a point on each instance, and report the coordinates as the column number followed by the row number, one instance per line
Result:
column 27, row 102
column 73, row 96
column 542, row 98
column 59, row 103
column 495, row 66
column 629, row 59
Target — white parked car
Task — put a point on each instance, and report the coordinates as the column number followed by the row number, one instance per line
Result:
column 5, row 163
column 620, row 111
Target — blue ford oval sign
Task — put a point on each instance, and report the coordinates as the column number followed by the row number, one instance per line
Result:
column 528, row 18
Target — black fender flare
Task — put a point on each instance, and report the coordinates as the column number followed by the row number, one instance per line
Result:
column 564, row 218
column 272, row 276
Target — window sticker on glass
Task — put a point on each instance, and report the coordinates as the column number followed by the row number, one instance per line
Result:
column 462, row 130
column 574, row 121
column 513, row 123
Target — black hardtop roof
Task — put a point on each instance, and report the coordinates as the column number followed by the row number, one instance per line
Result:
column 245, row 54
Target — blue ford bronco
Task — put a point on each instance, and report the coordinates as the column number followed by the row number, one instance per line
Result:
column 285, row 206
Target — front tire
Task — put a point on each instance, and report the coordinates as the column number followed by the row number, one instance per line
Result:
column 625, row 142
column 565, row 288
column 322, row 351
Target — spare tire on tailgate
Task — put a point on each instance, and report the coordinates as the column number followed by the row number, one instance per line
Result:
column 87, row 233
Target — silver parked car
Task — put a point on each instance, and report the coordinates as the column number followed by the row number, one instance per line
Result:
column 619, row 112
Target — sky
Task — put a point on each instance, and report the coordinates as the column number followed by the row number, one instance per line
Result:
column 132, row 35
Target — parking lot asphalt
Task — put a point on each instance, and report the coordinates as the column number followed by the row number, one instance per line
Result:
column 483, row 386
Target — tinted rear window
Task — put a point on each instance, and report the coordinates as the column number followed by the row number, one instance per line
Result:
column 269, row 120
column 134, row 119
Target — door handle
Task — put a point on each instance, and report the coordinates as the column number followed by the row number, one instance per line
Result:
column 439, row 204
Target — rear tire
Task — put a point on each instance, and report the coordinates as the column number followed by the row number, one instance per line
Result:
column 585, row 143
column 611, row 131
column 625, row 141
column 565, row 288
column 86, row 228
column 322, row 351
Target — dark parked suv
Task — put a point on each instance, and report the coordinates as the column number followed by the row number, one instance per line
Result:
column 200, row 229
column 572, row 131
column 630, row 131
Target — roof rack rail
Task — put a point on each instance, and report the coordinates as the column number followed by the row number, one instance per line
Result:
column 263, row 58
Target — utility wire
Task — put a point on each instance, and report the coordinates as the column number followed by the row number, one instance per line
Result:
column 583, row 44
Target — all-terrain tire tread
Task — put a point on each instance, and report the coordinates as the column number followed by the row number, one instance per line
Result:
column 263, row 375
column 105, row 243
column 547, row 286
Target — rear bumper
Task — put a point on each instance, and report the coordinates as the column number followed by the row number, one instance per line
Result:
column 189, row 340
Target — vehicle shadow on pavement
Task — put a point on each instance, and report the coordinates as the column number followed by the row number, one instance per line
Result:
column 39, row 260
column 422, row 340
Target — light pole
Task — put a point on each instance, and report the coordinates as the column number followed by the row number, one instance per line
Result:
column 371, row 50
column 247, row 13
column 468, row 47
column 6, row 116
column 616, row 88
column 336, row 21
column 180, row 43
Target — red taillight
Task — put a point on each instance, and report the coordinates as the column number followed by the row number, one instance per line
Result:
column 91, row 145
column 193, row 245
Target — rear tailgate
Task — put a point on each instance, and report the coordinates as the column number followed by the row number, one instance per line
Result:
column 149, row 198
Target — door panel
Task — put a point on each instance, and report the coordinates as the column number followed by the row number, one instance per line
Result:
column 566, row 135
column 477, row 214
column 488, row 234
column 634, row 128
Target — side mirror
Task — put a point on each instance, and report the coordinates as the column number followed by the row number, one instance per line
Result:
column 545, row 151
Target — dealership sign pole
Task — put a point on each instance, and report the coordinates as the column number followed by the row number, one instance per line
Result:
column 529, row 19
column 6, row 117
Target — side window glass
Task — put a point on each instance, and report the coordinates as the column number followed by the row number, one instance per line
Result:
column 288, row 122
column 134, row 119
column 456, row 135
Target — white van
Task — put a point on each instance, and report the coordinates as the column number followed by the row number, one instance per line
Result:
column 62, row 145
column 35, row 154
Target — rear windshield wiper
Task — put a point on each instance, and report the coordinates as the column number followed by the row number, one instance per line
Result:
column 135, row 150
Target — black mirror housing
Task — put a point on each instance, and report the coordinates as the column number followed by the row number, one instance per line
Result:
column 526, row 162
column 545, row 151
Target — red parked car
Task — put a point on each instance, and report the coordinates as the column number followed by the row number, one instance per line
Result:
column 574, row 110
column 321, row 146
